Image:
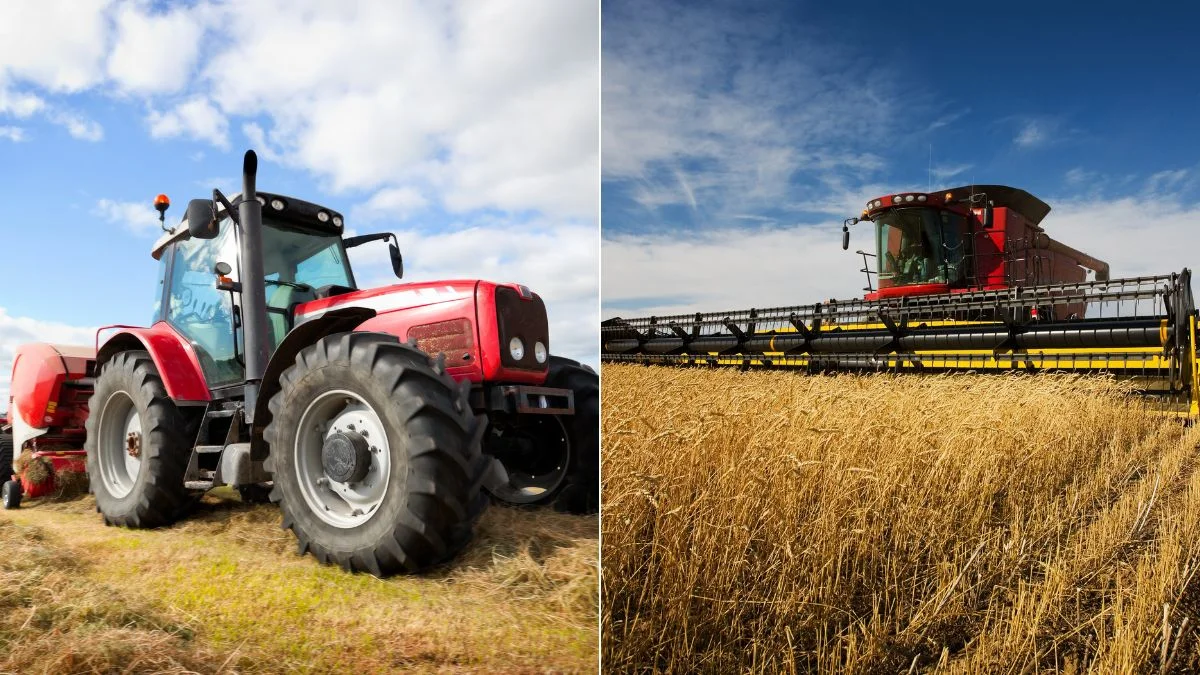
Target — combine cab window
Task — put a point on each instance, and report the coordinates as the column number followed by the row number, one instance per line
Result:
column 202, row 313
column 919, row 246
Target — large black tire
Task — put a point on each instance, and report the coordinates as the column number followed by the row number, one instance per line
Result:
column 580, row 492
column 432, row 499
column 157, row 496
column 6, row 456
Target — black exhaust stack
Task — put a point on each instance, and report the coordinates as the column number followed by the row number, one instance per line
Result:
column 254, row 290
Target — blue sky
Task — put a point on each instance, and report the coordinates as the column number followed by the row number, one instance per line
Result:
column 469, row 129
column 737, row 136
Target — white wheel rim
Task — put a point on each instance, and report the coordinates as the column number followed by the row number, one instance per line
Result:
column 341, row 504
column 119, row 468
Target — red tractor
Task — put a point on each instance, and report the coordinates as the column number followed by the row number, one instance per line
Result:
column 375, row 418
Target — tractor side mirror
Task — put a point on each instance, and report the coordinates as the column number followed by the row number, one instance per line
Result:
column 397, row 260
column 987, row 214
column 224, row 283
column 202, row 218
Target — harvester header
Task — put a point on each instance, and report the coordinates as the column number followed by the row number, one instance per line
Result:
column 963, row 279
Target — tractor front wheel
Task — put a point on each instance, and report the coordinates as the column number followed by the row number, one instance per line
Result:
column 375, row 455
column 137, row 447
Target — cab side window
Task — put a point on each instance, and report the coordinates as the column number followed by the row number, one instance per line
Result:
column 202, row 313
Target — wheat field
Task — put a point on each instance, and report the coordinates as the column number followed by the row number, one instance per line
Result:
column 777, row 522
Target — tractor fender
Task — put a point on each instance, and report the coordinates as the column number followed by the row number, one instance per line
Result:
column 334, row 321
column 173, row 356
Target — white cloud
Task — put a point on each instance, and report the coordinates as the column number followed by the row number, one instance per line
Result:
column 1032, row 134
column 718, row 270
column 19, row 105
column 194, row 118
column 1146, row 234
column 58, row 45
column 14, row 134
column 1078, row 176
column 77, row 125
column 945, row 172
column 694, row 113
column 398, row 203
column 482, row 104
column 494, row 104
column 137, row 217
column 559, row 261
column 153, row 53
column 16, row 331
column 23, row 105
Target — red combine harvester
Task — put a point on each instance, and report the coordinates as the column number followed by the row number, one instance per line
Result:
column 46, row 412
column 963, row 280
column 376, row 418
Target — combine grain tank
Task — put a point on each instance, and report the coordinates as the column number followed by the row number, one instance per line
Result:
column 958, row 280
column 46, row 411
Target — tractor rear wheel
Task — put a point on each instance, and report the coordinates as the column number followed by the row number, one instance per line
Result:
column 541, row 459
column 137, row 445
column 375, row 455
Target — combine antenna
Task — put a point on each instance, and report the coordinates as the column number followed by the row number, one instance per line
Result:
column 161, row 204
column 929, row 188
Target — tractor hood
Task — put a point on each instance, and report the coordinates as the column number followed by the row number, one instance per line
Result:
column 391, row 298
column 487, row 332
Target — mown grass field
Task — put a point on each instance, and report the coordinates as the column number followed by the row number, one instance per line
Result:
column 224, row 592
column 775, row 522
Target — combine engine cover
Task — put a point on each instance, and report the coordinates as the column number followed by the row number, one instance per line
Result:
column 1142, row 329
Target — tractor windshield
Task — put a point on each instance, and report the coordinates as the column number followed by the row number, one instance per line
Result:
column 297, row 263
column 919, row 246
column 302, row 257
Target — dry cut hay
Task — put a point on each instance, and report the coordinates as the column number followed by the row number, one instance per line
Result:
column 36, row 470
column 775, row 522
column 69, row 485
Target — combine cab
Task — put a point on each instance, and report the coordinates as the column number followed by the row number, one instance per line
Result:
column 960, row 280
column 378, row 419
column 41, row 451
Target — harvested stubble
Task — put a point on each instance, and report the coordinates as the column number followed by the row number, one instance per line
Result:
column 778, row 522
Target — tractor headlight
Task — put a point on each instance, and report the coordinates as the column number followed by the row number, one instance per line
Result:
column 516, row 348
column 337, row 220
column 322, row 216
column 539, row 352
column 277, row 204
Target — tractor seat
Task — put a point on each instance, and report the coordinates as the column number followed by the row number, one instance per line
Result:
column 281, row 310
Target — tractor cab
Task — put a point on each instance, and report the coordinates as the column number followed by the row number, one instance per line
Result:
column 303, row 259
